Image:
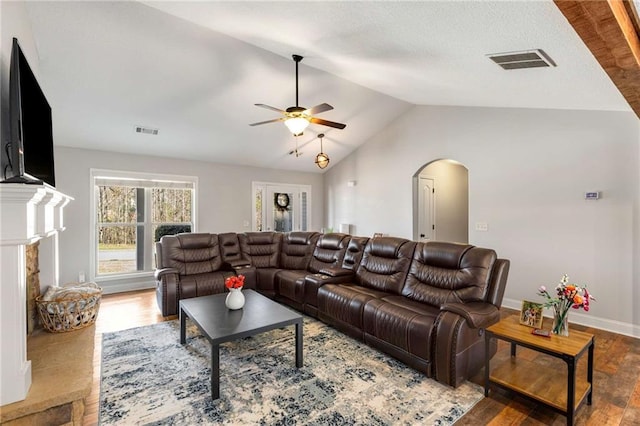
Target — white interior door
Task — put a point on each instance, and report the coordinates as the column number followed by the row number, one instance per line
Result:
column 426, row 209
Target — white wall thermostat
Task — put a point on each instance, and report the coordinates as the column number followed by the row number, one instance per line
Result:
column 592, row 195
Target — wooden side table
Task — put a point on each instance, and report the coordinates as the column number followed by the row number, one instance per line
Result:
column 541, row 385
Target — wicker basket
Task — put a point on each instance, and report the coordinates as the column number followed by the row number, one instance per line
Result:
column 69, row 315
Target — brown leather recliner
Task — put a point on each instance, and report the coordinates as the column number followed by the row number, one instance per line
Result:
column 381, row 273
column 188, row 265
column 327, row 274
column 328, row 252
column 262, row 249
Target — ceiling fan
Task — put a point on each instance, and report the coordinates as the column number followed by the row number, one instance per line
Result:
column 297, row 118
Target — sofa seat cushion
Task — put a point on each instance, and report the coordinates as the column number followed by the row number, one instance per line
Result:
column 203, row 284
column 344, row 303
column 404, row 323
column 290, row 284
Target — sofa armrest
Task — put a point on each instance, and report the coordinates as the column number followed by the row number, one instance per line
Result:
column 159, row 273
column 477, row 314
column 337, row 272
column 167, row 282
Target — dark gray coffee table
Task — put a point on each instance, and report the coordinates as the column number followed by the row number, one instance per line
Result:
column 219, row 324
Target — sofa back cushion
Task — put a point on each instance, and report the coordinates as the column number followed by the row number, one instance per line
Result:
column 354, row 253
column 261, row 248
column 230, row 247
column 385, row 264
column 449, row 272
column 190, row 253
column 329, row 252
column 297, row 248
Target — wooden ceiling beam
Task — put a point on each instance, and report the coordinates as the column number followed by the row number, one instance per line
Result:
column 608, row 29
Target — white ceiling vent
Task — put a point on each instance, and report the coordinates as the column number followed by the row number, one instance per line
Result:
column 523, row 59
column 146, row 130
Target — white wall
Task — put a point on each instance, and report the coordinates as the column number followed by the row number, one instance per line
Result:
column 224, row 200
column 451, row 200
column 528, row 170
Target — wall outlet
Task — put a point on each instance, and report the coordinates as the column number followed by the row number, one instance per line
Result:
column 245, row 223
column 482, row 226
column 81, row 277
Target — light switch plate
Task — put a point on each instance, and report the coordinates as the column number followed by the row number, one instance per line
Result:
column 482, row 226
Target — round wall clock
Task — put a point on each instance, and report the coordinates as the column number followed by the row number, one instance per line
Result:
column 282, row 200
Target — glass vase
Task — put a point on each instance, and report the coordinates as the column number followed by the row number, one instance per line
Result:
column 561, row 323
column 235, row 299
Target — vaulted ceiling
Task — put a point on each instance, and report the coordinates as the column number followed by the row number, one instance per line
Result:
column 193, row 70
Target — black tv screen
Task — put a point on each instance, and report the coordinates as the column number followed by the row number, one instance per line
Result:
column 30, row 150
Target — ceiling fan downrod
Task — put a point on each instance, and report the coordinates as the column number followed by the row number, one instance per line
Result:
column 297, row 59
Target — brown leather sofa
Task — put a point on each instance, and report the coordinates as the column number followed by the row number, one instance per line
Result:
column 426, row 304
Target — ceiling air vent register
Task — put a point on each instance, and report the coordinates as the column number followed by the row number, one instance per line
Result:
column 146, row 130
column 524, row 59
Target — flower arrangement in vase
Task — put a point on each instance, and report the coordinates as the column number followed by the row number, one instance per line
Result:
column 566, row 296
column 235, row 298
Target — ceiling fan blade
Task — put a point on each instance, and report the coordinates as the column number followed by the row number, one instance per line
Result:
column 268, row 121
column 318, row 109
column 269, row 107
column 328, row 123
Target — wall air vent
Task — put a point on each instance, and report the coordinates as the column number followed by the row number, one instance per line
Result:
column 146, row 130
column 523, row 59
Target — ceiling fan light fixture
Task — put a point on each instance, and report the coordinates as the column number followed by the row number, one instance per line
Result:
column 296, row 125
column 297, row 118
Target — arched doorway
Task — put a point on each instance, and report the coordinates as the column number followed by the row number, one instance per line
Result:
column 441, row 202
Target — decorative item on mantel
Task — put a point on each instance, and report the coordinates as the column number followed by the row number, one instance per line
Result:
column 235, row 298
column 567, row 296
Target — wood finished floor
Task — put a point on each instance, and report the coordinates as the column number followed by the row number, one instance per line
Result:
column 616, row 398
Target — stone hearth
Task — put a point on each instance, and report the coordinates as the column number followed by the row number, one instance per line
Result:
column 62, row 376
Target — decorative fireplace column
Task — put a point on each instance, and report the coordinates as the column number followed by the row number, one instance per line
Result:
column 28, row 213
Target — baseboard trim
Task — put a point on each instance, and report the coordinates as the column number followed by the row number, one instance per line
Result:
column 588, row 320
column 122, row 287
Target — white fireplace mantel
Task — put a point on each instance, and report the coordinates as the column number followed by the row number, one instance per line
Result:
column 28, row 213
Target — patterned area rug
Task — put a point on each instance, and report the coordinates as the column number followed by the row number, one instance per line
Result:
column 149, row 378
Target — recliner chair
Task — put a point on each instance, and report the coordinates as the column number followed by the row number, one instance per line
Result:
column 188, row 265
column 328, row 252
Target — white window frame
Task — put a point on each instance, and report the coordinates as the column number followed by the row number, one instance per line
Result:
column 149, row 178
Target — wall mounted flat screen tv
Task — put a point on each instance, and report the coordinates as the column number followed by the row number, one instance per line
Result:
column 30, row 148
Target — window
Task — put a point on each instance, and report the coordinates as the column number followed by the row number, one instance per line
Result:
column 131, row 211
